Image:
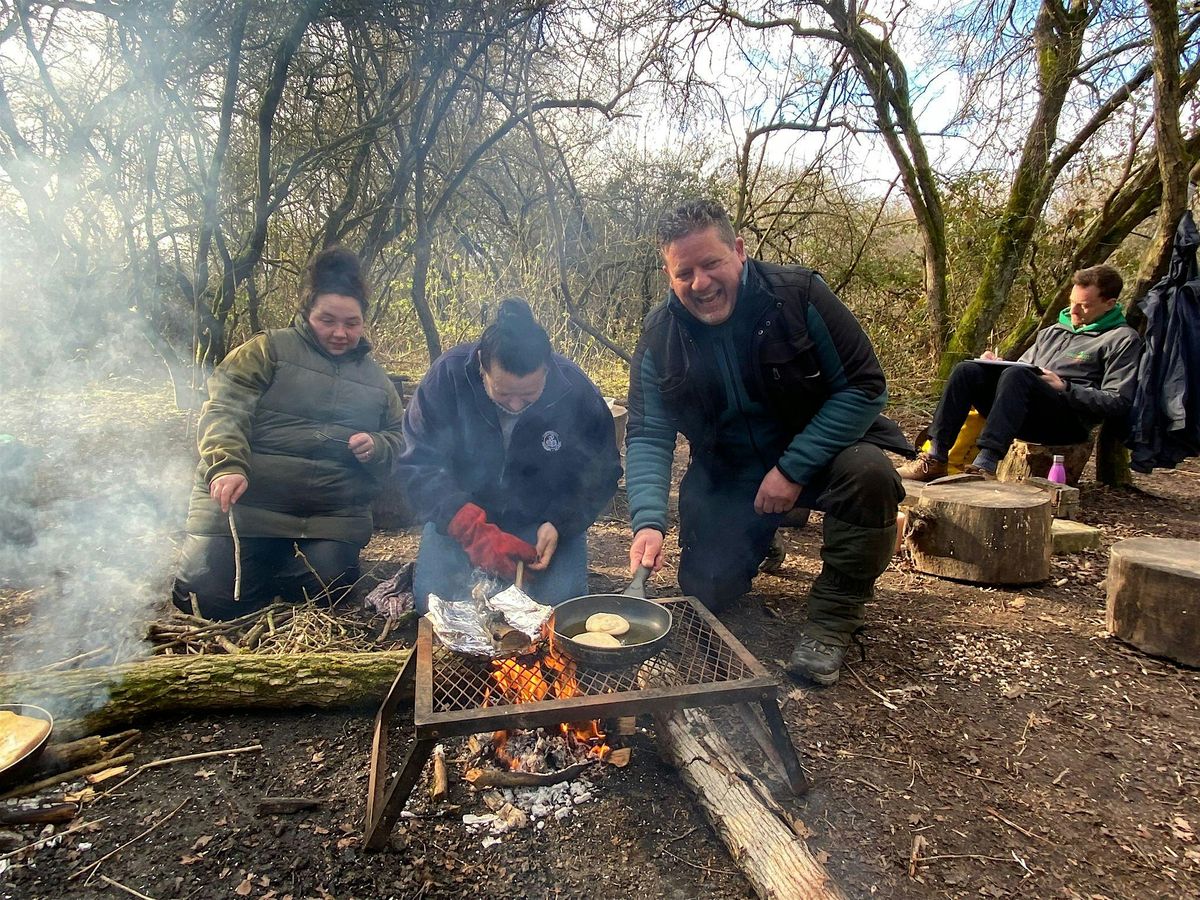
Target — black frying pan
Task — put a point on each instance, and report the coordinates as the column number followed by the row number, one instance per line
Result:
column 18, row 768
column 649, row 626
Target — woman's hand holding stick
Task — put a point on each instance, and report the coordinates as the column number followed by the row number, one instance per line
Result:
column 226, row 490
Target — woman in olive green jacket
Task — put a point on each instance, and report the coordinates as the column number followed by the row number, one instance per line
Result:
column 299, row 428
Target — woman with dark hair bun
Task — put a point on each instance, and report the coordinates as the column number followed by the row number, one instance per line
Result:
column 510, row 454
column 299, row 427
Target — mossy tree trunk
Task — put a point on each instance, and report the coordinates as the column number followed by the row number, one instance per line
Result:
column 90, row 701
column 1058, row 38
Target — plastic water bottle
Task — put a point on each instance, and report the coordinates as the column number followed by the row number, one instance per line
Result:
column 1058, row 472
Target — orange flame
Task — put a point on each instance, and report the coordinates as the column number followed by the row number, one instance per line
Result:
column 518, row 683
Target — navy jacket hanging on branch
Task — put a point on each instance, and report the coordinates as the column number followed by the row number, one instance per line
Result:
column 1165, row 421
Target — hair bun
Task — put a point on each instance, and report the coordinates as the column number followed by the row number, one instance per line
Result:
column 336, row 263
column 514, row 311
column 335, row 270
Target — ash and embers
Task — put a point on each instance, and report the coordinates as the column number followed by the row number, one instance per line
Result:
column 526, row 778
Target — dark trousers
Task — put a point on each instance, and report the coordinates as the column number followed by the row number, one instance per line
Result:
column 271, row 567
column 722, row 539
column 1014, row 400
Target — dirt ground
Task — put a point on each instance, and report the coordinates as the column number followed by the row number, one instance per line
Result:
column 1022, row 751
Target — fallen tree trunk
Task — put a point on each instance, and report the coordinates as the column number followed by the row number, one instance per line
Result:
column 87, row 701
column 754, row 828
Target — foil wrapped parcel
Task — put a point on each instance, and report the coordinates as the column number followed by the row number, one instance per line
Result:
column 469, row 626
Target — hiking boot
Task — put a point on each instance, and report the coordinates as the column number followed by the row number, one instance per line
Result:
column 775, row 557
column 926, row 467
column 817, row 661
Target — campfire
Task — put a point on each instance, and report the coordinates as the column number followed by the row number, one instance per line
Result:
column 525, row 762
column 553, row 754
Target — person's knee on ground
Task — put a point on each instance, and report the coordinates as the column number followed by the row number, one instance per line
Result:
column 209, row 572
column 722, row 539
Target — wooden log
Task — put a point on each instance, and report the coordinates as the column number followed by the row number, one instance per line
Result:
column 981, row 531
column 1025, row 459
column 87, row 701
column 72, row 754
column 439, row 782
column 755, row 829
column 50, row 813
column 1153, row 597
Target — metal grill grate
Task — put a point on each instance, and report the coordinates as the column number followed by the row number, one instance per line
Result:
column 695, row 655
column 701, row 665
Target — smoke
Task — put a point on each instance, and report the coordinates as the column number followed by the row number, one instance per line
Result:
column 95, row 466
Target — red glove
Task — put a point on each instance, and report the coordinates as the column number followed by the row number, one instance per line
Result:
column 486, row 545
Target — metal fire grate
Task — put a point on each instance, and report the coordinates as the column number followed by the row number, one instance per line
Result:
column 696, row 654
column 702, row 664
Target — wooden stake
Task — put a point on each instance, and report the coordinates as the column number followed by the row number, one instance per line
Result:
column 439, row 785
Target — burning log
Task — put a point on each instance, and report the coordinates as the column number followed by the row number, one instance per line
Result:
column 168, row 684
column 757, row 831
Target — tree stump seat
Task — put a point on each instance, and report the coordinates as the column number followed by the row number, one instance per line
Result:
column 1026, row 459
column 985, row 532
column 1153, row 597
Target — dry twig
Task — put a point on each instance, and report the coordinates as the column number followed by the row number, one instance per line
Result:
column 96, row 865
column 73, row 775
column 112, row 882
column 870, row 690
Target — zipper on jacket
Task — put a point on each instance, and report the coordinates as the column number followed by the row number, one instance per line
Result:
column 734, row 381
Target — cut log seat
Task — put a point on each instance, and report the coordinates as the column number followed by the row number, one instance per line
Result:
column 1153, row 598
column 1025, row 459
column 982, row 531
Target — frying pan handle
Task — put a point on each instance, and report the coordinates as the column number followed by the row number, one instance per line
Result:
column 637, row 587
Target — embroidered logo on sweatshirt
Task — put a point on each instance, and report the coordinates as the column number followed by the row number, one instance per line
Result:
column 551, row 442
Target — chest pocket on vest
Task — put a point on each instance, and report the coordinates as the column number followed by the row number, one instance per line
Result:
column 790, row 367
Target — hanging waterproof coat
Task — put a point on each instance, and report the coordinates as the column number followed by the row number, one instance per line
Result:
column 1165, row 421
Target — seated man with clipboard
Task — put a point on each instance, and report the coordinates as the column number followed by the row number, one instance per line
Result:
column 1079, row 371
